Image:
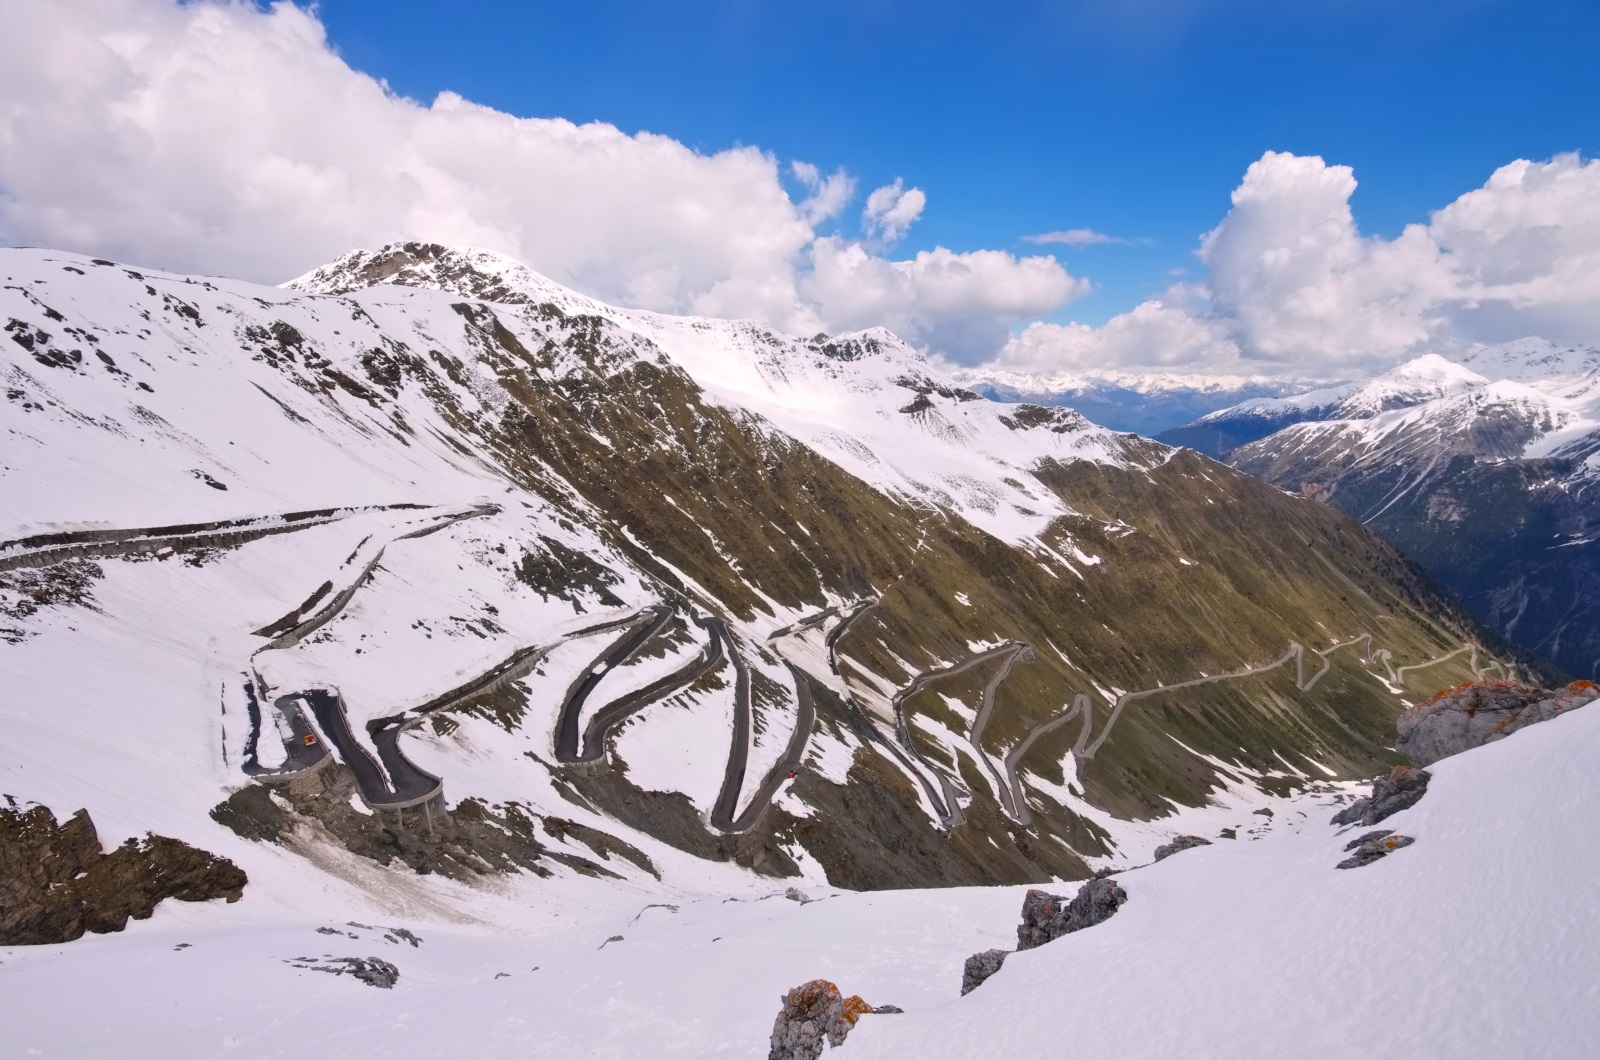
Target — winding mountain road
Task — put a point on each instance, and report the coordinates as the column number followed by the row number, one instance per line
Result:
column 394, row 785
column 831, row 641
column 42, row 550
column 611, row 715
column 569, row 730
column 723, row 816
column 1019, row 653
column 291, row 629
column 722, row 811
column 1296, row 653
column 295, row 627
column 301, row 748
column 948, row 804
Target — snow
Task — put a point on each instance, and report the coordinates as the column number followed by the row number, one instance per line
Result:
column 1478, row 941
column 1433, row 405
column 1413, row 382
column 1449, row 947
column 681, row 744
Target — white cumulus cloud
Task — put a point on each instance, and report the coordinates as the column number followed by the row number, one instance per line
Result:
column 828, row 194
column 892, row 209
column 221, row 137
column 1295, row 287
column 967, row 300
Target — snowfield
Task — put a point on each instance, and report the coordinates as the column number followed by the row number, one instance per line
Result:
column 1480, row 940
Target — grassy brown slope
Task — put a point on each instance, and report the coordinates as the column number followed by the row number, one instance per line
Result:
column 718, row 496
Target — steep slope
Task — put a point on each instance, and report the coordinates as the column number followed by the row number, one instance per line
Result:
column 1492, row 488
column 400, row 577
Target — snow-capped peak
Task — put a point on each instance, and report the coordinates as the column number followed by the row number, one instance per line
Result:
column 1418, row 380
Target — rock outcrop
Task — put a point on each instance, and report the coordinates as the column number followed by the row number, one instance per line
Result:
column 56, row 883
column 1046, row 917
column 981, row 966
column 1368, row 847
column 1479, row 712
column 814, row 1014
column 374, row 971
column 1182, row 842
column 1403, row 787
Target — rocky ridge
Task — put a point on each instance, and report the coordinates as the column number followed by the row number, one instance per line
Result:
column 56, row 883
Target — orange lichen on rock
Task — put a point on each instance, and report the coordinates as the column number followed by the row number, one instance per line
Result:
column 1486, row 684
column 815, row 1014
column 854, row 1009
column 1476, row 712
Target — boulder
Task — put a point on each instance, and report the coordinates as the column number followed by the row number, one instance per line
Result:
column 1182, row 842
column 979, row 967
column 815, row 1014
column 374, row 971
column 1403, row 787
column 56, row 884
column 1479, row 712
column 1368, row 847
column 1046, row 917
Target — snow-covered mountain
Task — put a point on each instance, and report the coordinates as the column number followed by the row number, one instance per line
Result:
column 1145, row 403
column 1486, row 472
column 1422, row 379
column 425, row 590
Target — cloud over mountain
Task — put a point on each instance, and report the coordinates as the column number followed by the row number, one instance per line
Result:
column 218, row 137
column 1296, row 287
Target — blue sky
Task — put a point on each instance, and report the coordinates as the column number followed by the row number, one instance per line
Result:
column 1380, row 179
column 1031, row 117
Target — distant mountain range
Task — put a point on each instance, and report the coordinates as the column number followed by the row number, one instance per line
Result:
column 1484, row 469
column 1143, row 403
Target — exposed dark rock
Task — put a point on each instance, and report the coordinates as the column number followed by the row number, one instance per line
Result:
column 981, row 966
column 23, row 592
column 815, row 1014
column 1370, row 846
column 1182, row 842
column 370, row 970
column 1390, row 794
column 55, row 883
column 471, row 840
column 1046, row 917
column 1480, row 712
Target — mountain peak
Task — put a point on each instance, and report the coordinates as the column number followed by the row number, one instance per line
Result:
column 473, row 272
